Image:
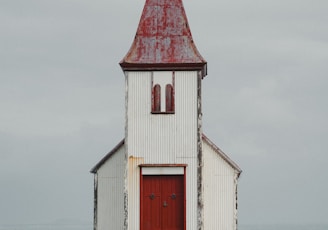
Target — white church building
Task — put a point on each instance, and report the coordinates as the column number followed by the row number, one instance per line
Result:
column 165, row 174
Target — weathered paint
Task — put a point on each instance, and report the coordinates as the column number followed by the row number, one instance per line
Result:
column 109, row 187
column 133, row 190
column 163, row 40
column 126, row 171
column 200, row 202
column 95, row 201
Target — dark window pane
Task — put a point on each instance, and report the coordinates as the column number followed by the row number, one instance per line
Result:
column 169, row 94
column 156, row 98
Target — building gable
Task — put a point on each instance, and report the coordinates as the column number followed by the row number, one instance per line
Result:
column 108, row 156
column 206, row 141
column 221, row 154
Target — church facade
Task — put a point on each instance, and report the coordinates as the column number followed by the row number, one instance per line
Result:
column 165, row 174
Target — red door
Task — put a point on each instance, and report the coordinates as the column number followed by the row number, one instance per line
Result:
column 162, row 203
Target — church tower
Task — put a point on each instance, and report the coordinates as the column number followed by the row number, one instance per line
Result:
column 160, row 174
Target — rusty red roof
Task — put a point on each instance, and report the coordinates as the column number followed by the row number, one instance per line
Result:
column 163, row 40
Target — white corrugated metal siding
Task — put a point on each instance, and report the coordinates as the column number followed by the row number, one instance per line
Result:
column 166, row 139
column 110, row 205
column 162, row 138
column 220, row 184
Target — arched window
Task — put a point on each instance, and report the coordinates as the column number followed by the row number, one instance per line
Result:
column 162, row 92
column 156, row 98
column 169, row 96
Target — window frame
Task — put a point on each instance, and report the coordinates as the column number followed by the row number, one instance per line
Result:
column 157, row 91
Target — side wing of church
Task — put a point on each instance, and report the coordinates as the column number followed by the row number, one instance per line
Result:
column 165, row 173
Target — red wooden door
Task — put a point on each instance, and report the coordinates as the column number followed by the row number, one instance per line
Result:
column 162, row 203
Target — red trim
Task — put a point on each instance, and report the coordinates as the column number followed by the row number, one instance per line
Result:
column 141, row 198
column 185, row 200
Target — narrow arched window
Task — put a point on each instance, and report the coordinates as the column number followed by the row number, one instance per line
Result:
column 169, row 97
column 156, row 98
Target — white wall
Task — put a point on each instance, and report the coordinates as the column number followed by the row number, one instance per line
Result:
column 165, row 139
column 220, row 184
column 156, row 137
column 162, row 138
column 110, row 192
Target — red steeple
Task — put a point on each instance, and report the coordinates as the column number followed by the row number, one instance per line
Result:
column 163, row 40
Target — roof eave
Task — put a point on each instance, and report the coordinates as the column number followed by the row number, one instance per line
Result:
column 202, row 66
column 106, row 157
column 223, row 155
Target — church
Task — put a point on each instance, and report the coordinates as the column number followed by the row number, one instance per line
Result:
column 166, row 174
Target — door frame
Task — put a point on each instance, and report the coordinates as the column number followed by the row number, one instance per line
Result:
column 163, row 170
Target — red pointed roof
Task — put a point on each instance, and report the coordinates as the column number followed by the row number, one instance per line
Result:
column 163, row 40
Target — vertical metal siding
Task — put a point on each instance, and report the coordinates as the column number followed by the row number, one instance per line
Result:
column 191, row 193
column 110, row 211
column 186, row 136
column 219, row 192
column 162, row 138
column 134, row 192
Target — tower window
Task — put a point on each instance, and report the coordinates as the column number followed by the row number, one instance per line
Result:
column 156, row 99
column 162, row 100
column 169, row 96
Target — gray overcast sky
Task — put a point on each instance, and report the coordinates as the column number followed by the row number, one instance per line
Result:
column 264, row 102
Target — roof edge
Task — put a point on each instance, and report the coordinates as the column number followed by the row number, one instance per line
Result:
column 204, row 137
column 222, row 154
column 108, row 155
column 126, row 66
